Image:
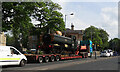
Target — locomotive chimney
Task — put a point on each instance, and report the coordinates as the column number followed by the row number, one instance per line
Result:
column 72, row 26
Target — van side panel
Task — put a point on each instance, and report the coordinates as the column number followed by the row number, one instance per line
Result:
column 4, row 52
column 10, row 56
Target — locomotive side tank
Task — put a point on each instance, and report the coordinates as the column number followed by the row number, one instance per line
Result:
column 57, row 39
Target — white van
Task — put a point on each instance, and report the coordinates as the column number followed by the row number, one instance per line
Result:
column 11, row 56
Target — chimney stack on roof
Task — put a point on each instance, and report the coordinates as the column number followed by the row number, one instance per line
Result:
column 72, row 26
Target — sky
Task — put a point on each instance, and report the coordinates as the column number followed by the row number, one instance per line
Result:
column 101, row 14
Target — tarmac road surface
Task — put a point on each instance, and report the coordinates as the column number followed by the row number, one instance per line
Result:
column 101, row 63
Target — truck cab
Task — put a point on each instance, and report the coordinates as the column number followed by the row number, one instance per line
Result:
column 86, row 49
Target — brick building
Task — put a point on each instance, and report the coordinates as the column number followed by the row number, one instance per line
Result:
column 33, row 42
column 77, row 33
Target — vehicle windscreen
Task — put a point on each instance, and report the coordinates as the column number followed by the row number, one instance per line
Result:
column 104, row 52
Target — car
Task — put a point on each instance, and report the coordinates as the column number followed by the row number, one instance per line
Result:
column 115, row 53
column 24, row 52
column 110, row 51
column 33, row 51
column 105, row 53
column 9, row 55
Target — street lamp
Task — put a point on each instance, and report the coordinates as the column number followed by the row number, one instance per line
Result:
column 65, row 20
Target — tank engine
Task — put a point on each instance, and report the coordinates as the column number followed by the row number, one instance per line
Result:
column 58, row 44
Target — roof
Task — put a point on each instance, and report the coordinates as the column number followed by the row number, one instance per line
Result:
column 74, row 31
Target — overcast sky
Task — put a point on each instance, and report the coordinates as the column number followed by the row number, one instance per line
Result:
column 99, row 13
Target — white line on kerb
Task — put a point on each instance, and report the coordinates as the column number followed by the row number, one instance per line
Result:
column 44, row 69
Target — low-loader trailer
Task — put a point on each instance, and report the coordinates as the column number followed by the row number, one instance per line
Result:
column 56, row 47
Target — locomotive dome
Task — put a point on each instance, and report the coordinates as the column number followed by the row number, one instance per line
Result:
column 59, row 33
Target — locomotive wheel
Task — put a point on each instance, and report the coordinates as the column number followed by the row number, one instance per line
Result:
column 86, row 55
column 52, row 58
column 57, row 58
column 40, row 60
column 46, row 59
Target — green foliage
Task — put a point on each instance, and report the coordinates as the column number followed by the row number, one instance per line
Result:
column 16, row 17
column 41, row 52
column 49, row 17
column 98, row 37
column 9, row 40
column 114, row 44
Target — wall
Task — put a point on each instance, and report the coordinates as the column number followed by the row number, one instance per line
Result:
column 2, row 39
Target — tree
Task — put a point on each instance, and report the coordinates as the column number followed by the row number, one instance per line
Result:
column 16, row 17
column 97, row 36
column 49, row 17
column 9, row 40
column 114, row 44
column 104, row 36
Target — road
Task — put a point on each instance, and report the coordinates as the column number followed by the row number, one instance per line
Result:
column 101, row 63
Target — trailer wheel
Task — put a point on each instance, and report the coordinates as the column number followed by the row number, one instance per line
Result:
column 22, row 63
column 86, row 55
column 46, row 59
column 52, row 58
column 57, row 58
column 40, row 59
column 83, row 56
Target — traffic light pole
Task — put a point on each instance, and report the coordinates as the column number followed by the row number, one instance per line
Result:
column 95, row 52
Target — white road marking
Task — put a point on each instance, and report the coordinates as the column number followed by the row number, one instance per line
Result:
column 44, row 69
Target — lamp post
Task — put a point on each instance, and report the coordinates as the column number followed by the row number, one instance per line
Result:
column 65, row 21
